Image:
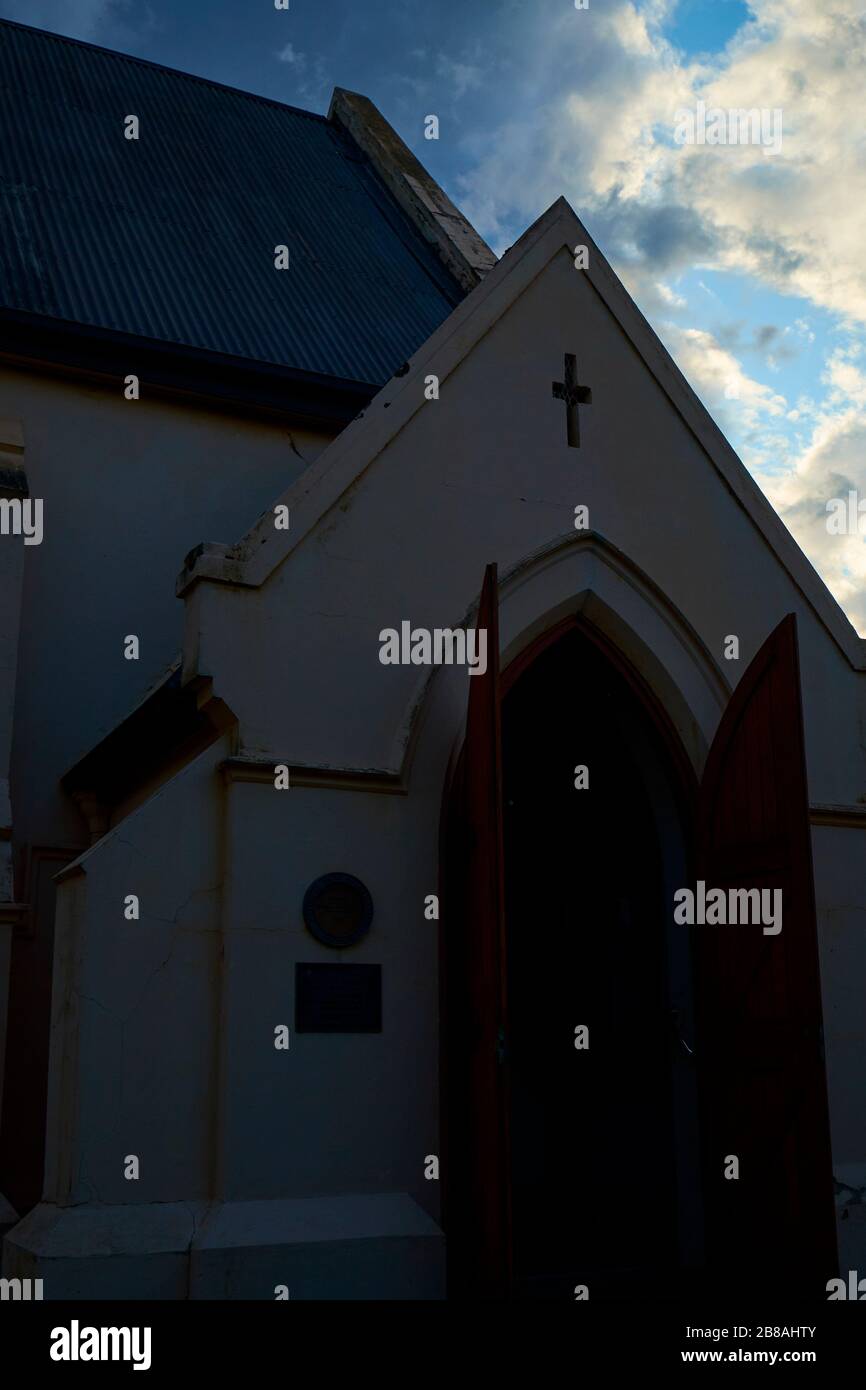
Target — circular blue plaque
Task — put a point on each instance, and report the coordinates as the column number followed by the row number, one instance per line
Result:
column 338, row 910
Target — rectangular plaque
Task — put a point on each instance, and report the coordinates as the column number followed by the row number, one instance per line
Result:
column 338, row 998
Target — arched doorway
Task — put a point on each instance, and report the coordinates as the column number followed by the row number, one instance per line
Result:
column 602, row 1181
column 597, row 835
column 565, row 1165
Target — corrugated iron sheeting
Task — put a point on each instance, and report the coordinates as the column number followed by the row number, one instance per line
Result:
column 172, row 237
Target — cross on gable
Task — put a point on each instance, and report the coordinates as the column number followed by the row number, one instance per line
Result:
column 573, row 395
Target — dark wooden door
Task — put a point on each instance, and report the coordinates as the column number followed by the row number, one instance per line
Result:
column 477, row 1150
column 760, row 1043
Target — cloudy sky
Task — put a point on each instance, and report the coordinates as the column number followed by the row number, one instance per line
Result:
column 750, row 265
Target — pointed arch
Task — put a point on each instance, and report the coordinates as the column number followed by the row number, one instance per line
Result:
column 583, row 577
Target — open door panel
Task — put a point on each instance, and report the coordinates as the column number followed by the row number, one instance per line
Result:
column 760, row 1041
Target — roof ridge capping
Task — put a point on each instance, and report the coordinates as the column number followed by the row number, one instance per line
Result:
column 464, row 253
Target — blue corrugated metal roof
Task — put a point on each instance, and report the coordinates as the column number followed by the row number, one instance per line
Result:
column 172, row 236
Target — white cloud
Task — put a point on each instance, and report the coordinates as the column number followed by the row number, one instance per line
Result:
column 464, row 77
column 311, row 83
column 847, row 383
column 729, row 393
column 669, row 296
column 581, row 114
column 603, row 135
column 290, row 55
column 832, row 465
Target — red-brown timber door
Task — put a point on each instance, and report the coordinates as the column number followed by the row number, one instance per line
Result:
column 760, row 1039
column 477, row 1155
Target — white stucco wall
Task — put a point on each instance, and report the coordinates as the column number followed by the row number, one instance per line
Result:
column 340, row 1112
column 136, row 1004
column 129, row 487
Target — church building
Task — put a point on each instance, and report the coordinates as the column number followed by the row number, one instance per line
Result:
column 432, row 778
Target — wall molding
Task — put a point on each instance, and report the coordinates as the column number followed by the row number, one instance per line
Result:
column 848, row 817
column 343, row 779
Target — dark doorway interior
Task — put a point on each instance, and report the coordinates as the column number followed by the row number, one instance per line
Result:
column 604, row 1170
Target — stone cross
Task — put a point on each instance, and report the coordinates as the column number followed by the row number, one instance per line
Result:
column 573, row 395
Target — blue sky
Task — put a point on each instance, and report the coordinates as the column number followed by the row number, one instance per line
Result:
column 748, row 265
